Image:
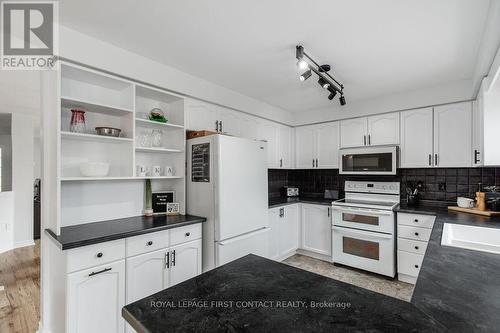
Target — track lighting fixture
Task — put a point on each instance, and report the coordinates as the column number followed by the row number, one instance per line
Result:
column 323, row 83
column 326, row 81
column 307, row 74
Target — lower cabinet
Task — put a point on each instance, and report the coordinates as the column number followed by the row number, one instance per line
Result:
column 284, row 237
column 95, row 298
column 185, row 262
column 316, row 229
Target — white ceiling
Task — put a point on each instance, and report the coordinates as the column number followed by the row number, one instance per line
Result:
column 374, row 47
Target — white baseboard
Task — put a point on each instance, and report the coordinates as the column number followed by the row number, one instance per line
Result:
column 315, row 255
column 24, row 243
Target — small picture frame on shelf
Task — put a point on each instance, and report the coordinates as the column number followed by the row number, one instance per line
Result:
column 173, row 208
column 160, row 201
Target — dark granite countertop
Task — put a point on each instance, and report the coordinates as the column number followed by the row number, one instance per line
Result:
column 98, row 232
column 255, row 285
column 280, row 201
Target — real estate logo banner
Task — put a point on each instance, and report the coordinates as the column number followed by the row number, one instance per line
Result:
column 29, row 32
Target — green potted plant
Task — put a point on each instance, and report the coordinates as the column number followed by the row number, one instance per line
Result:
column 148, row 210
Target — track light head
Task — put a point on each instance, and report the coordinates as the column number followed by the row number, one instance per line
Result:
column 307, row 74
column 323, row 83
column 342, row 100
column 302, row 65
column 332, row 91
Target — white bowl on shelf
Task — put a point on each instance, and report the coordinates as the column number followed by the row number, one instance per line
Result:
column 94, row 169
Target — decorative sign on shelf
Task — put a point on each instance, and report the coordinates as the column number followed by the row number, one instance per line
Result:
column 173, row 208
column 160, row 201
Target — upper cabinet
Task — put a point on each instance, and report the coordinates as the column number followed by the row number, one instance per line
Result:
column 437, row 138
column 453, row 135
column 353, row 132
column 317, row 146
column 370, row 131
column 489, row 108
column 416, row 138
column 201, row 116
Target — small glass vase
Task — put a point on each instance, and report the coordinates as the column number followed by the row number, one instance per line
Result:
column 156, row 138
column 77, row 124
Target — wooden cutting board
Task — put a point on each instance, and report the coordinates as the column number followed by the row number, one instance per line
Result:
column 474, row 211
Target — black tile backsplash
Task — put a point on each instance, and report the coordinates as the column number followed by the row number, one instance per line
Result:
column 441, row 184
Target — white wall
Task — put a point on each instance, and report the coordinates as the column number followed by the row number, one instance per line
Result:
column 448, row 93
column 93, row 52
column 6, row 146
column 22, row 178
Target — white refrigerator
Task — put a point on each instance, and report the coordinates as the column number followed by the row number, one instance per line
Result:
column 227, row 184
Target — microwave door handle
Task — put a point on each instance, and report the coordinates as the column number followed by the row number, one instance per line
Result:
column 361, row 211
column 361, row 233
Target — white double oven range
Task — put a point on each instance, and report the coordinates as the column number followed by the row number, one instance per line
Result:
column 364, row 226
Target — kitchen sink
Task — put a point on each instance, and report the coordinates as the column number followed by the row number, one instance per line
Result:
column 472, row 238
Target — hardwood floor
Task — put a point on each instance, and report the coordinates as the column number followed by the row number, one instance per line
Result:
column 20, row 297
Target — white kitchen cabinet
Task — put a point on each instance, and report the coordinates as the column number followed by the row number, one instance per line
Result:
column 95, row 298
column 200, row 116
column 229, row 121
column 249, row 126
column 376, row 130
column 185, row 262
column 383, row 129
column 316, row 229
column 353, row 132
column 327, row 145
column 269, row 132
column 478, row 134
column 317, row 146
column 453, row 135
column 284, row 236
column 304, row 147
column 285, row 147
column 416, row 138
column 146, row 274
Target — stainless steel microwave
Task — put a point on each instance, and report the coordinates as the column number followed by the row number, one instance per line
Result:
column 369, row 161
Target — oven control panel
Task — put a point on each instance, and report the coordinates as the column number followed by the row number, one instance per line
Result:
column 372, row 187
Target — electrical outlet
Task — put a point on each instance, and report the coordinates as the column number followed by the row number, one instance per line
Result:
column 442, row 186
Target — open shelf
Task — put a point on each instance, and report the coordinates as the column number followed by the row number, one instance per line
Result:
column 147, row 122
column 94, row 137
column 74, row 103
column 81, row 179
column 157, row 150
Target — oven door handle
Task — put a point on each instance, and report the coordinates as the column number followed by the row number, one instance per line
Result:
column 362, row 211
column 361, row 233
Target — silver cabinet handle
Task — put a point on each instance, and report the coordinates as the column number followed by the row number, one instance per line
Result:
column 476, row 154
column 99, row 272
column 364, row 140
column 316, row 163
column 217, row 126
column 369, row 139
column 220, row 126
column 173, row 258
column 313, row 162
column 430, row 159
column 328, row 211
column 281, row 162
column 435, row 159
column 167, row 260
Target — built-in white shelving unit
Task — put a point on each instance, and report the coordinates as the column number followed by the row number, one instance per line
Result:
column 111, row 101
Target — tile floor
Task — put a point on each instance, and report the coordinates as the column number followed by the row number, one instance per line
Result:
column 377, row 283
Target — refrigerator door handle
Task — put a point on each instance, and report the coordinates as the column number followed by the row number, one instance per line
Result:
column 238, row 238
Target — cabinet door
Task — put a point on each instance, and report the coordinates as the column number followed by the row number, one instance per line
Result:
column 327, row 145
column 316, row 229
column 200, row 116
column 185, row 262
column 146, row 275
column 353, row 132
column 269, row 132
column 289, row 230
column 285, row 147
column 249, row 127
column 95, row 299
column 383, row 129
column 304, row 147
column 230, row 121
column 274, row 236
column 416, row 138
column 453, row 135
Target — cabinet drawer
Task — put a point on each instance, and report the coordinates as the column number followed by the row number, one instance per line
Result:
column 413, row 246
column 409, row 263
column 415, row 220
column 93, row 255
column 147, row 242
column 185, row 234
column 415, row 233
